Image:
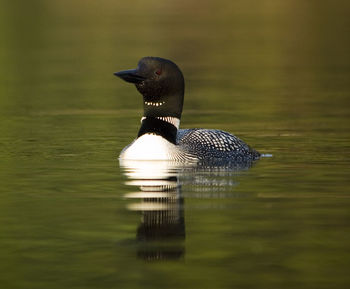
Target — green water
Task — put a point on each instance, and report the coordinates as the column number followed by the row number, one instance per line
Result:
column 275, row 73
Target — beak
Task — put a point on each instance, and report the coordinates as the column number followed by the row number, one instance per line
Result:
column 130, row 76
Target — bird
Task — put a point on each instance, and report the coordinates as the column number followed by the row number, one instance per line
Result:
column 161, row 84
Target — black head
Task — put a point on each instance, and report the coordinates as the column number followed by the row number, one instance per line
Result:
column 161, row 83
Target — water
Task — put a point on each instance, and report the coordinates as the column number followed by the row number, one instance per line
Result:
column 275, row 73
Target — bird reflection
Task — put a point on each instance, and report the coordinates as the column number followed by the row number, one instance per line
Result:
column 161, row 233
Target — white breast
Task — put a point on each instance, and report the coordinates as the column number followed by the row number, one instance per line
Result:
column 149, row 147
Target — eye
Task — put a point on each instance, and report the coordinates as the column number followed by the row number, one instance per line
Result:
column 158, row 72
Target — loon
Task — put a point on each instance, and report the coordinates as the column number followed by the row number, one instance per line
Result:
column 161, row 83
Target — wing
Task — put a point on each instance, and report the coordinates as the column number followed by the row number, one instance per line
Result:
column 211, row 143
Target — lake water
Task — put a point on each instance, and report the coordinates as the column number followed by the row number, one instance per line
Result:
column 274, row 73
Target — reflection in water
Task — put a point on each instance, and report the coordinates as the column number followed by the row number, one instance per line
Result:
column 161, row 233
column 162, row 229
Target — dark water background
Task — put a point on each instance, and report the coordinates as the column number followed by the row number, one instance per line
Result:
column 275, row 73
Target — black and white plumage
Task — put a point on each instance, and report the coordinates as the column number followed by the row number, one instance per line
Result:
column 215, row 144
column 161, row 84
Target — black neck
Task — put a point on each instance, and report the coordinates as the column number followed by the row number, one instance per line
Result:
column 158, row 127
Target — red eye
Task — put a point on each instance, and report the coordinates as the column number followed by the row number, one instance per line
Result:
column 159, row 72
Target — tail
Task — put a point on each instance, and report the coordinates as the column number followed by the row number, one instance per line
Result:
column 266, row 155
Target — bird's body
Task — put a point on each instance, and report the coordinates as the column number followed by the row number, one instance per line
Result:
column 161, row 83
column 149, row 147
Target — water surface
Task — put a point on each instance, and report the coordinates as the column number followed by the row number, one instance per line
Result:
column 275, row 73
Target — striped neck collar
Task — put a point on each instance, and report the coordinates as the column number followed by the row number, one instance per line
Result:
column 158, row 126
column 170, row 119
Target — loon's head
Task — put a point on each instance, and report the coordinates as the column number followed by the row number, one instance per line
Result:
column 161, row 84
